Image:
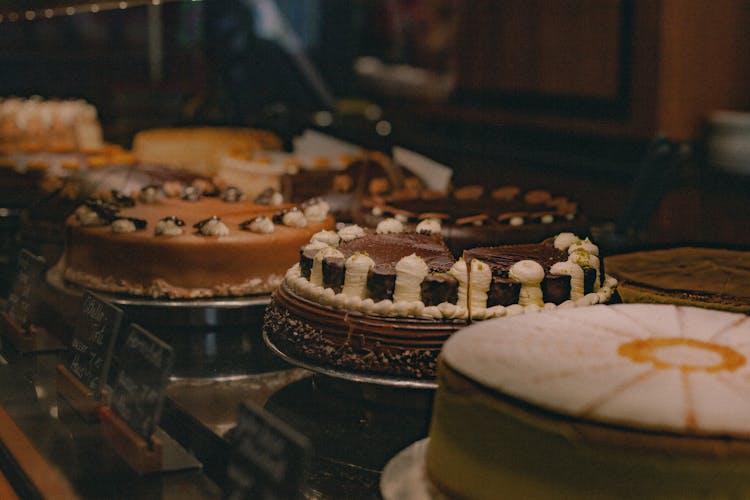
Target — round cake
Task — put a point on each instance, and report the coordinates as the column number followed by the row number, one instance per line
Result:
column 186, row 247
column 43, row 221
column 53, row 125
column 199, row 149
column 622, row 401
column 473, row 216
column 702, row 277
column 385, row 301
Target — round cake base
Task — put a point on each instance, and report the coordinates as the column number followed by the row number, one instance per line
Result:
column 404, row 476
column 327, row 337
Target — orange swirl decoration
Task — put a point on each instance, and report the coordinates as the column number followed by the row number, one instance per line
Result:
column 648, row 350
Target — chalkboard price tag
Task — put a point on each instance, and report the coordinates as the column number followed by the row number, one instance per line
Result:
column 138, row 389
column 24, row 295
column 93, row 342
column 269, row 459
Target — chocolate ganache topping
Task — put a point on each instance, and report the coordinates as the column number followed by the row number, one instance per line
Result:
column 387, row 249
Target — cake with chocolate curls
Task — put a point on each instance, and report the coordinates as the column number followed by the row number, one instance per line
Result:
column 474, row 215
column 384, row 301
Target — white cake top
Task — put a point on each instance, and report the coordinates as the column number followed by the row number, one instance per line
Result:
column 660, row 367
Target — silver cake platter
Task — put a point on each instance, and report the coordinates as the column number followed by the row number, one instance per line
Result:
column 208, row 312
column 370, row 386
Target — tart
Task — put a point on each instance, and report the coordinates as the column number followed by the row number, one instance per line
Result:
column 702, row 277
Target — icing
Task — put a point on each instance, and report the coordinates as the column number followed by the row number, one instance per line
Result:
column 410, row 271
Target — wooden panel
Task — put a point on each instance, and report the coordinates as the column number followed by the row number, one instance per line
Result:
column 48, row 480
column 6, row 490
column 553, row 47
column 706, row 62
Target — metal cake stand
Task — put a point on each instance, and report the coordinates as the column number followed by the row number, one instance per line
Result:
column 410, row 394
column 209, row 312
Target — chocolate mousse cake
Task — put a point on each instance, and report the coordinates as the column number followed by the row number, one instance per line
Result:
column 385, row 301
column 703, row 277
column 473, row 215
column 622, row 401
column 187, row 246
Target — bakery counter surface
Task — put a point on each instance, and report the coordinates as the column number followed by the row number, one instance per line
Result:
column 354, row 428
column 76, row 448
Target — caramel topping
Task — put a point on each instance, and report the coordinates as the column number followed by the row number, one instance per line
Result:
column 433, row 215
column 469, row 192
column 695, row 355
column 537, row 197
column 506, row 193
column 472, row 219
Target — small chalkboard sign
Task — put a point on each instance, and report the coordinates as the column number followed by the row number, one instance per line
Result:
column 93, row 342
column 24, row 295
column 269, row 459
column 145, row 364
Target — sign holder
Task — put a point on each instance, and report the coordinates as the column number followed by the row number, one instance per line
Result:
column 269, row 459
column 17, row 322
column 82, row 379
column 132, row 418
column 80, row 397
column 143, row 456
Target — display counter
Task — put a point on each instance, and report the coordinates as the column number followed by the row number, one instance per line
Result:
column 354, row 428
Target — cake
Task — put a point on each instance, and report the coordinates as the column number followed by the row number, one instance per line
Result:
column 385, row 301
column 188, row 246
column 340, row 179
column 703, row 277
column 474, row 215
column 621, row 401
column 52, row 125
column 199, row 149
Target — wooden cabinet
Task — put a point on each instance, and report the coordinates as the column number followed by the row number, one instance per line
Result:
column 623, row 68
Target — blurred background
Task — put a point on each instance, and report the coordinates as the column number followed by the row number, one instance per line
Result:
column 561, row 94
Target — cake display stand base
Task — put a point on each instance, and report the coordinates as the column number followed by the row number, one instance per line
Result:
column 206, row 312
column 213, row 338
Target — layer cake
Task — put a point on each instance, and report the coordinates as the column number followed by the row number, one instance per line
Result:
column 474, row 216
column 386, row 301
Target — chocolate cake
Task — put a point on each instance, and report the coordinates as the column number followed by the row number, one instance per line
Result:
column 386, row 301
column 473, row 216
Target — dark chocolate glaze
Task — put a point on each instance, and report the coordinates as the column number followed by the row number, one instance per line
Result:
column 387, row 249
column 501, row 258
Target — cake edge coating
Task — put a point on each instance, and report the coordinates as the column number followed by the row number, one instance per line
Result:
column 542, row 453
